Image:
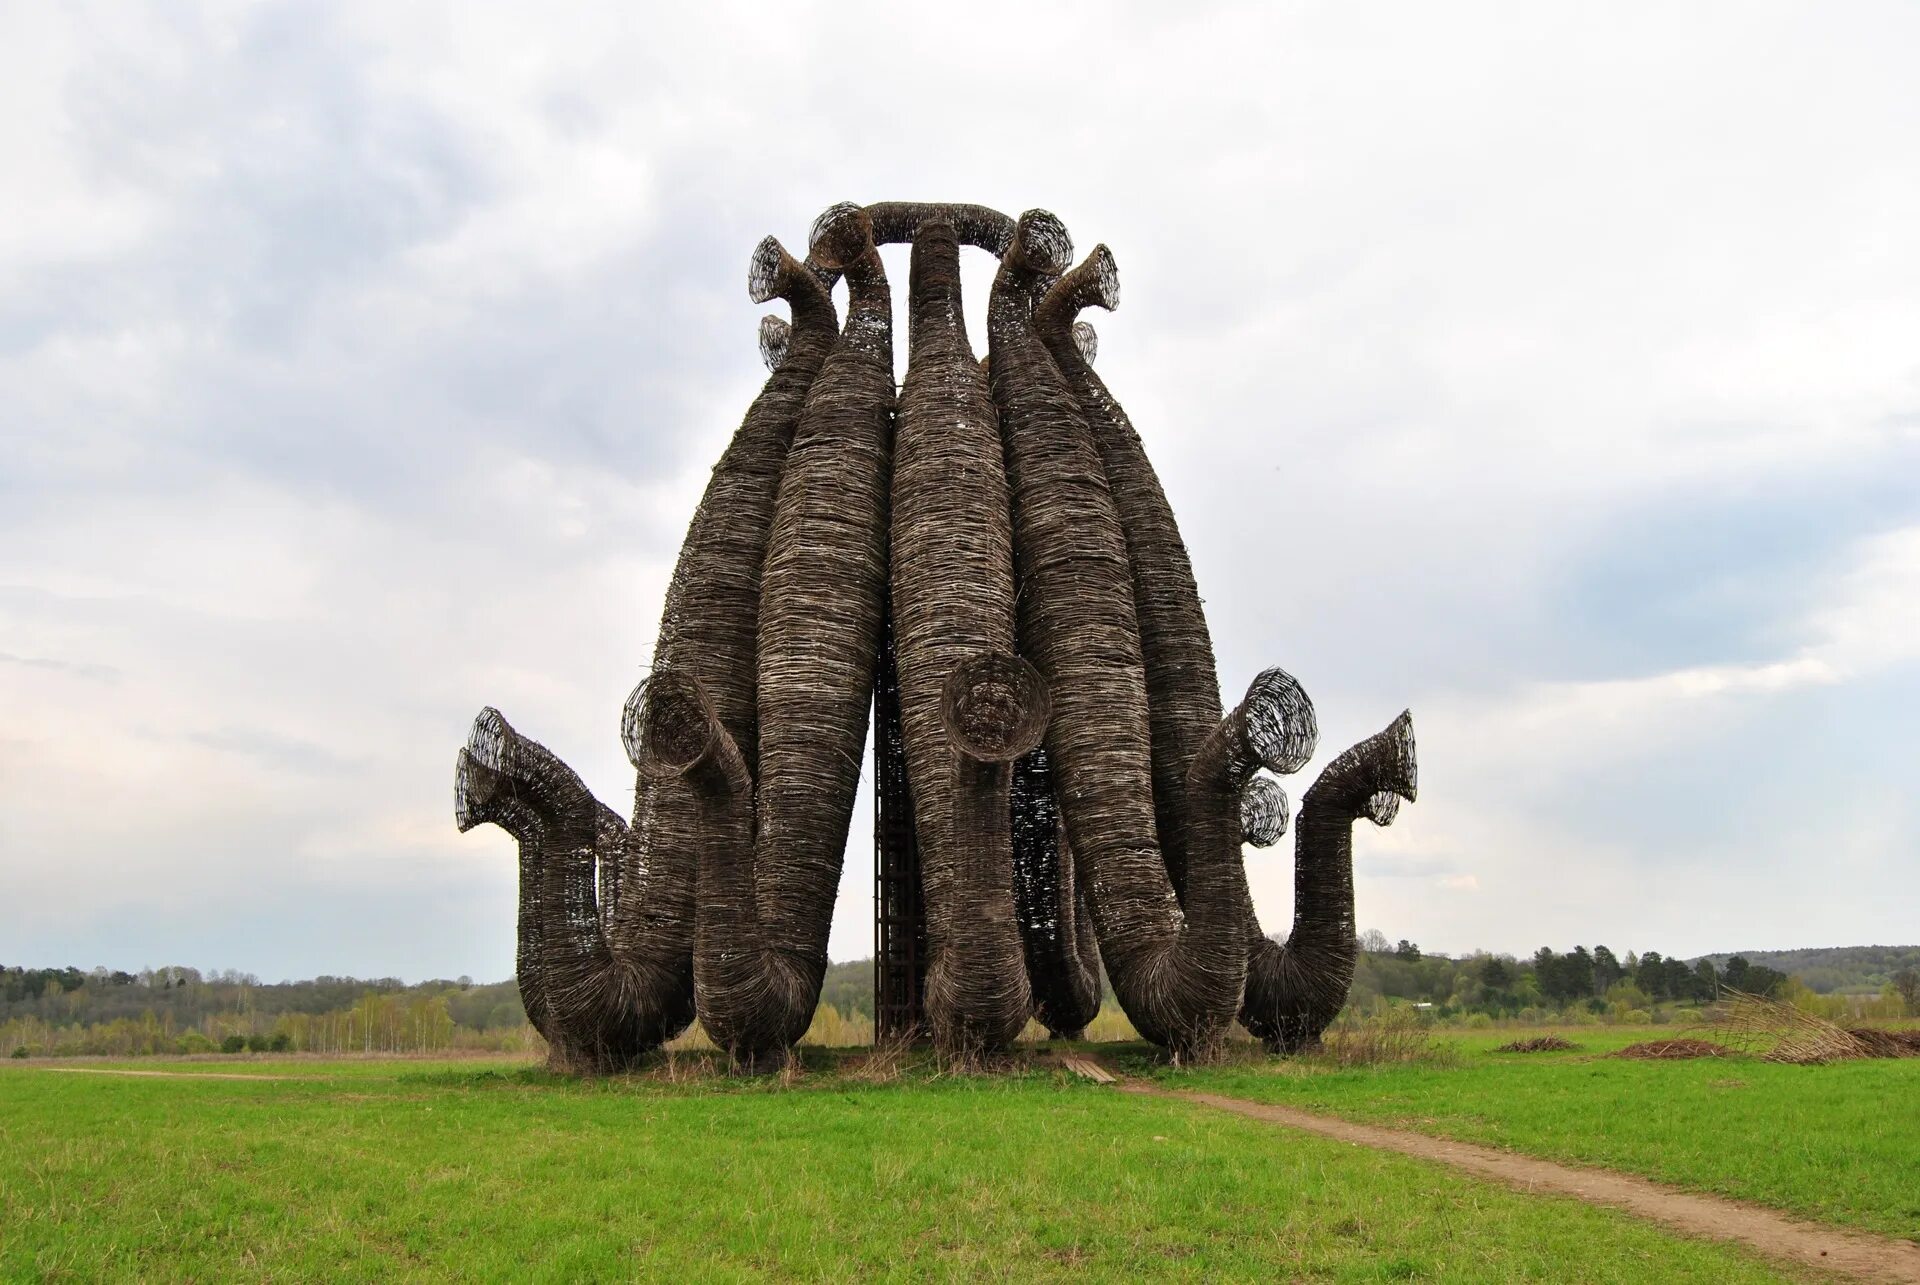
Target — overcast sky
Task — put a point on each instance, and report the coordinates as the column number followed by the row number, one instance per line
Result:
column 1551, row 370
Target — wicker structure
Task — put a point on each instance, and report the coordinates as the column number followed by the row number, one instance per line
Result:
column 968, row 705
column 990, row 565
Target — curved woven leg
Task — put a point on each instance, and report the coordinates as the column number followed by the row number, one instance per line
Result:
column 710, row 626
column 482, row 796
column 994, row 709
column 1295, row 991
column 680, row 743
column 1063, row 961
column 822, row 587
column 1183, row 689
column 1178, row 977
column 1191, row 804
column 952, row 600
column 607, row 971
column 590, row 1021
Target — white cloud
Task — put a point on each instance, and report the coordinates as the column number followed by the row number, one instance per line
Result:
column 362, row 365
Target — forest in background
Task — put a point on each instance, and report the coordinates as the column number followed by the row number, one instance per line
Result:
column 65, row 1011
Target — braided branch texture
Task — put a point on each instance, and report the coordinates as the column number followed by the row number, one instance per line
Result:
column 968, row 706
column 1078, row 795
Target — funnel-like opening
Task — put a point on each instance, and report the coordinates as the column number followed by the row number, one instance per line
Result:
column 995, row 707
column 1086, row 340
column 1103, row 290
column 667, row 726
column 767, row 270
column 493, row 743
column 775, row 335
column 840, row 235
column 1391, row 767
column 1281, row 727
column 474, row 786
column 1403, row 775
column 1041, row 244
column 1264, row 812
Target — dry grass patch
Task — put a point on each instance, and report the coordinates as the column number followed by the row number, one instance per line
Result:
column 1779, row 1032
column 1392, row 1038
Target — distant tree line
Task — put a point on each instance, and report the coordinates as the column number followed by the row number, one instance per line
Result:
column 1847, row 970
column 181, row 1010
column 1593, row 981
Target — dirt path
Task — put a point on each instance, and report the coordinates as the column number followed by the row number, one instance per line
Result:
column 1860, row 1254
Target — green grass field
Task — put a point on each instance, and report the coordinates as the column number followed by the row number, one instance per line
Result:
column 1838, row 1143
column 375, row 1170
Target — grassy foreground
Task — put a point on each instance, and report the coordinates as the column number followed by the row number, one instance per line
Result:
column 1837, row 1143
column 374, row 1170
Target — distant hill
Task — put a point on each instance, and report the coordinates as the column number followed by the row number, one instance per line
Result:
column 848, row 987
column 1827, row 970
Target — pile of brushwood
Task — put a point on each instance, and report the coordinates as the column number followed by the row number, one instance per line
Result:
column 1673, row 1050
column 1539, row 1044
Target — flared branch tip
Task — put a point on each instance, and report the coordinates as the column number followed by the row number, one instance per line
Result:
column 995, row 707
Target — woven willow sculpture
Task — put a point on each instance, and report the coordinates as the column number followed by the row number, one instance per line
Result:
column 993, row 564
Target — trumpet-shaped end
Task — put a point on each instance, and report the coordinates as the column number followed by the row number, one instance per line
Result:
column 475, row 786
column 669, row 727
column 1041, row 244
column 995, row 707
column 1281, row 728
column 1093, row 283
column 493, row 743
column 1264, row 812
column 1086, row 340
column 1371, row 778
column 1100, row 285
column 502, row 777
column 840, row 235
column 1399, row 771
column 770, row 271
column 775, row 336
column 1408, row 759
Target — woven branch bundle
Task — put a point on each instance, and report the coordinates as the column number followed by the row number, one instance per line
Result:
column 612, row 974
column 1295, row 991
column 1063, row 960
column 596, row 1012
column 756, row 982
column 993, row 709
column 900, row 223
column 967, row 705
column 710, row 625
column 1178, row 977
column 1055, row 927
column 1021, row 471
column 1311, row 976
column 709, row 629
column 1182, row 688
